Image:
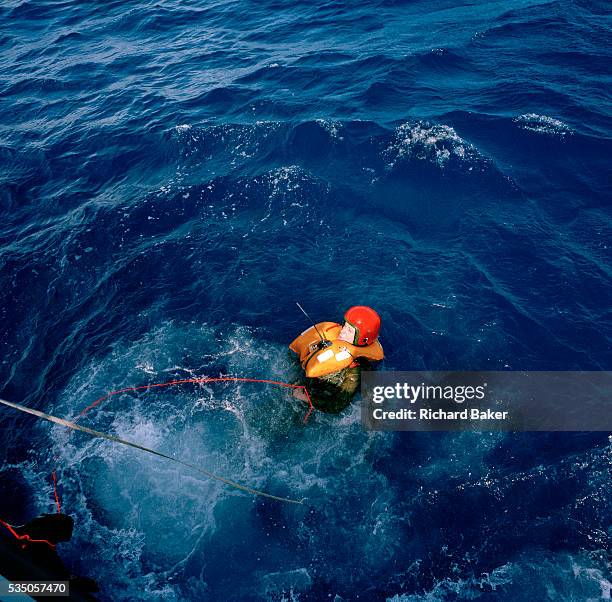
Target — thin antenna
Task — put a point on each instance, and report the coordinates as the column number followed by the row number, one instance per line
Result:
column 325, row 341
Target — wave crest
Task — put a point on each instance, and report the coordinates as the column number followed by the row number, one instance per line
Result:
column 437, row 143
column 542, row 124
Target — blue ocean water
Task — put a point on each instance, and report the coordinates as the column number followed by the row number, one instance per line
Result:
column 174, row 175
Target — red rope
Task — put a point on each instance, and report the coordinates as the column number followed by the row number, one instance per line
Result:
column 24, row 537
column 57, row 500
column 200, row 381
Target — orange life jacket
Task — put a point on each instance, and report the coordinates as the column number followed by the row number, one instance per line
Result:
column 317, row 361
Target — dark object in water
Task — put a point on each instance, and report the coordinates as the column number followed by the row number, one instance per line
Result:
column 333, row 393
column 25, row 560
column 55, row 528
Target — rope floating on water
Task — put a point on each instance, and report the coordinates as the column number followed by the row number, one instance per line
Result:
column 114, row 439
column 202, row 380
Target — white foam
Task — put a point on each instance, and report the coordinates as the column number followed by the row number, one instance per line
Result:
column 542, row 124
column 332, row 127
column 428, row 142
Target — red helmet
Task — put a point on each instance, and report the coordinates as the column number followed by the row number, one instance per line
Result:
column 366, row 323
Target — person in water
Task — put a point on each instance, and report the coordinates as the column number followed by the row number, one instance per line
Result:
column 333, row 355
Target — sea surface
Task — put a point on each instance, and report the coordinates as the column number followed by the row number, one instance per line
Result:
column 175, row 175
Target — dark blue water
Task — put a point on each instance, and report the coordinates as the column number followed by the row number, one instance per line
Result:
column 174, row 175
